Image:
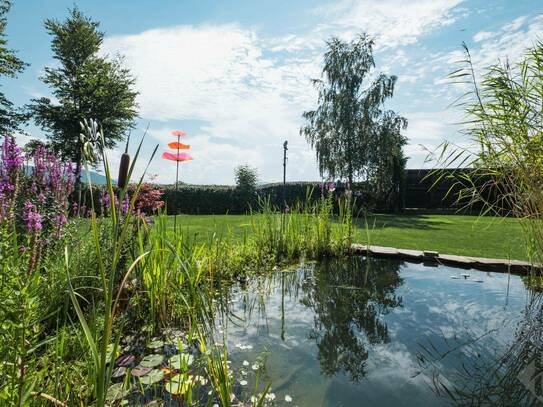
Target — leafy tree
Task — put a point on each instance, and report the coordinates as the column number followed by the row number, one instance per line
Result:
column 246, row 180
column 86, row 85
column 10, row 66
column 352, row 133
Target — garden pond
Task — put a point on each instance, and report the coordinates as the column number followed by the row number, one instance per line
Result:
column 381, row 332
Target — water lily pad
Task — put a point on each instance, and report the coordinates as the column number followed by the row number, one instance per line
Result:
column 141, row 371
column 176, row 361
column 117, row 392
column 153, row 376
column 126, row 360
column 152, row 360
column 155, row 344
column 118, row 372
column 177, row 385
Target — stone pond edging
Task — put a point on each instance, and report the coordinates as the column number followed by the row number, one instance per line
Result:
column 435, row 258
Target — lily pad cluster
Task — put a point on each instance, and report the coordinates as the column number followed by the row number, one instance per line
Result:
column 159, row 368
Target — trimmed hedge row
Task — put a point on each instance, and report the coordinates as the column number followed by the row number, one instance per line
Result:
column 221, row 199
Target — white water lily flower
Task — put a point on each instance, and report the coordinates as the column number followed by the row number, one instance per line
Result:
column 288, row 399
column 245, row 363
column 243, row 382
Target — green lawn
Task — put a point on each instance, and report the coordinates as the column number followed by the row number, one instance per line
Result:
column 451, row 234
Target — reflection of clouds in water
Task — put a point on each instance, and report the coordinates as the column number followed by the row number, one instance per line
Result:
column 434, row 303
column 392, row 361
column 434, row 309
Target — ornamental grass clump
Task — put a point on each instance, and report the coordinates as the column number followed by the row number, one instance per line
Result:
column 504, row 113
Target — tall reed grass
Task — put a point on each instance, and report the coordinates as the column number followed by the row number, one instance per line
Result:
column 503, row 122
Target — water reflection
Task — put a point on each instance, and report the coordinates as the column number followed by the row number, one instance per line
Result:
column 339, row 332
column 512, row 377
column 349, row 300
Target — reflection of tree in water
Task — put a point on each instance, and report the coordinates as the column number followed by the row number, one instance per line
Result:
column 348, row 298
column 512, row 379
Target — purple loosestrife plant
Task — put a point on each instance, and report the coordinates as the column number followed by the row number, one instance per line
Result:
column 11, row 166
column 35, row 202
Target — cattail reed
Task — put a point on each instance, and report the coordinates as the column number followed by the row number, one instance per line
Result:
column 123, row 166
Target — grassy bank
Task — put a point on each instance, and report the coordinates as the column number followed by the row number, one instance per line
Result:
column 451, row 234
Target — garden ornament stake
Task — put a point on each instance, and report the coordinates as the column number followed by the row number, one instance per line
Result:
column 178, row 157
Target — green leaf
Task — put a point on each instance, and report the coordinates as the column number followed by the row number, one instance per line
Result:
column 152, row 360
column 117, row 392
column 152, row 377
column 178, row 384
column 155, row 344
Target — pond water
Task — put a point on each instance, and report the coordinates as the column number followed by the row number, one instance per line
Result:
column 378, row 332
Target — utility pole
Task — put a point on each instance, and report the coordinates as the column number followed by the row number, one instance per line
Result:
column 285, row 175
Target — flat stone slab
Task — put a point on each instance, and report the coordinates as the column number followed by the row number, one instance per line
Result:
column 451, row 258
column 434, row 258
column 386, row 251
column 415, row 254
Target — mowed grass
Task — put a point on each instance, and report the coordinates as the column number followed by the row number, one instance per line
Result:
column 451, row 234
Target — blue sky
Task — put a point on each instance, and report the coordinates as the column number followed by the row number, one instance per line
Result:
column 236, row 74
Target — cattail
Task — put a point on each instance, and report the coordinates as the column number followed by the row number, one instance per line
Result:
column 123, row 166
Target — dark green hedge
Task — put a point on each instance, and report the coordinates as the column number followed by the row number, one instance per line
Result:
column 220, row 199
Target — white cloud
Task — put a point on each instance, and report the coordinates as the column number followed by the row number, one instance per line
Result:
column 509, row 43
column 393, row 22
column 482, row 35
column 217, row 75
column 246, row 93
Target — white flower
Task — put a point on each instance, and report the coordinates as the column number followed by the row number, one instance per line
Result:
column 255, row 366
column 243, row 372
column 254, row 399
column 270, row 396
column 245, row 363
column 288, row 399
column 243, row 382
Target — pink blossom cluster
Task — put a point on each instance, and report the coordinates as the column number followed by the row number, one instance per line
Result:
column 36, row 194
